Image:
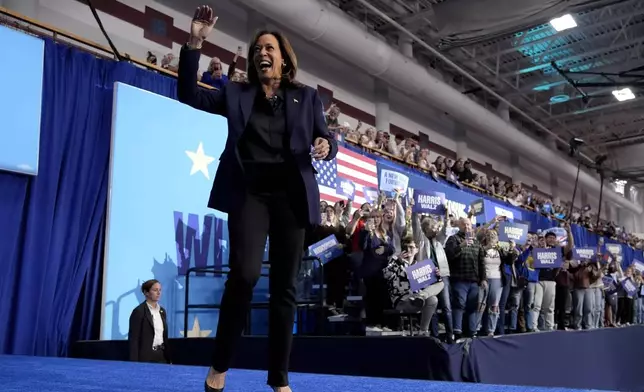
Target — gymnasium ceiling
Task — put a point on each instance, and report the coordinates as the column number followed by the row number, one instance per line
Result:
column 564, row 80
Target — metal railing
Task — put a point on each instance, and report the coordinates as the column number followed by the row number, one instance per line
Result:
column 318, row 304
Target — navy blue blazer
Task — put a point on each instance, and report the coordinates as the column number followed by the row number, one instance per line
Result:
column 304, row 123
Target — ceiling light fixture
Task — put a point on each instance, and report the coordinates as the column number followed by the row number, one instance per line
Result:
column 563, row 23
column 624, row 94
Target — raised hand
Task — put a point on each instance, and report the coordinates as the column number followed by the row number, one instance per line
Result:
column 202, row 24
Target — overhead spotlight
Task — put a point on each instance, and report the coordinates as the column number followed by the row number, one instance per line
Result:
column 624, row 94
column 574, row 144
column 600, row 159
column 564, row 22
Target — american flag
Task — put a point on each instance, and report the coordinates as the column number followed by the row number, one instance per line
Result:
column 349, row 165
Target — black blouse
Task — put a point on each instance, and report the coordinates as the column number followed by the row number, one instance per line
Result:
column 265, row 139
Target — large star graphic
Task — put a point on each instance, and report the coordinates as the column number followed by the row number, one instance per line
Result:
column 196, row 331
column 200, row 161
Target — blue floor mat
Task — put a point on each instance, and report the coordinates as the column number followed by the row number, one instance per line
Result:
column 34, row 374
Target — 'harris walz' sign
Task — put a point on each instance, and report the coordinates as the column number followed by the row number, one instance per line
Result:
column 547, row 258
column 429, row 203
column 583, row 254
column 421, row 275
column 327, row 249
column 513, row 231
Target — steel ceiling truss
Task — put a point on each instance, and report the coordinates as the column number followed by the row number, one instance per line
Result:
column 609, row 39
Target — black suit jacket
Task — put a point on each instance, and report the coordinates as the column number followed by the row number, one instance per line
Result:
column 304, row 123
column 141, row 334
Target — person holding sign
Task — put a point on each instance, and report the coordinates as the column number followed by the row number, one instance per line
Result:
column 583, row 273
column 466, row 259
column 335, row 271
column 612, row 301
column 638, row 281
column 495, row 258
column 625, row 301
column 430, row 235
column 597, row 288
column 546, row 289
column 401, row 289
column 394, row 214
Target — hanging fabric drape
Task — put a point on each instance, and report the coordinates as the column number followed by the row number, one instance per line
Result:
column 51, row 241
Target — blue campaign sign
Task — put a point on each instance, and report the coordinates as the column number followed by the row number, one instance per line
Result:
column 513, row 231
column 609, row 284
column 429, row 202
column 21, row 83
column 493, row 209
column 457, row 201
column 583, row 253
column 370, row 194
column 639, row 266
column 629, row 286
column 421, row 275
column 392, row 181
column 327, row 249
column 547, row 258
column 346, row 188
column 478, row 207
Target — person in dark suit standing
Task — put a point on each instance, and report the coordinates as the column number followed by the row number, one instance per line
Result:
column 265, row 182
column 148, row 333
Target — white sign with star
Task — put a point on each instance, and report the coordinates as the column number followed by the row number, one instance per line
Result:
column 196, row 331
column 200, row 161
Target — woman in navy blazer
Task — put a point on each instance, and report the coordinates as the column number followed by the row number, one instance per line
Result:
column 265, row 182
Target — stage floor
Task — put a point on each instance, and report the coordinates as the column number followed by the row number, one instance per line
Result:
column 20, row 374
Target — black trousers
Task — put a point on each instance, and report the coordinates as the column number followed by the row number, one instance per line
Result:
column 376, row 299
column 272, row 214
column 561, row 299
column 625, row 310
column 336, row 277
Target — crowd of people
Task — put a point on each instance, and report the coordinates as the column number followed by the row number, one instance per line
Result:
column 408, row 151
column 484, row 287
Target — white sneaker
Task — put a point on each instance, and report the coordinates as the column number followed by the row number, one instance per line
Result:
column 373, row 331
column 337, row 317
column 385, row 329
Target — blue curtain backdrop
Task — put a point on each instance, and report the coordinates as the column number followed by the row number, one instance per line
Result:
column 51, row 242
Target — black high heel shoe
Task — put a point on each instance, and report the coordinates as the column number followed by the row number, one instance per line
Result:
column 208, row 388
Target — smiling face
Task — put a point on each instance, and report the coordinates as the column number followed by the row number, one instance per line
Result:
column 551, row 240
column 267, row 58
